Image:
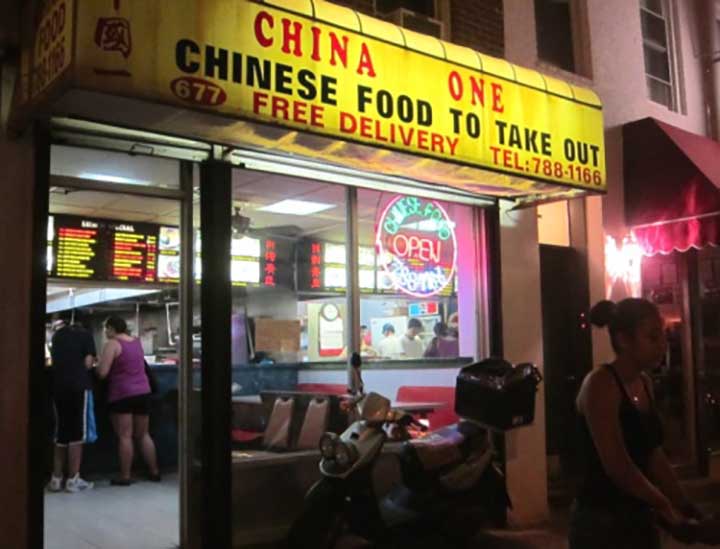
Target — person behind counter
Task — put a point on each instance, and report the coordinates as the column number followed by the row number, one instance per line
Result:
column 389, row 346
column 122, row 362
column 445, row 343
column 72, row 355
column 412, row 345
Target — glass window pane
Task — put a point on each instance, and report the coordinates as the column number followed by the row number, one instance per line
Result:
column 415, row 312
column 671, row 379
column 654, row 29
column 660, row 92
column 113, row 167
column 288, row 268
column 653, row 5
column 657, row 64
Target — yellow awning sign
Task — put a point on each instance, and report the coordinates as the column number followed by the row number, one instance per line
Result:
column 317, row 67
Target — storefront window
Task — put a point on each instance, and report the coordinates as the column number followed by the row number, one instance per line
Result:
column 662, row 280
column 287, row 271
column 410, row 311
column 709, row 370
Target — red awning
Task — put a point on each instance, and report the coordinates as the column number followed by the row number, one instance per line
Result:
column 672, row 187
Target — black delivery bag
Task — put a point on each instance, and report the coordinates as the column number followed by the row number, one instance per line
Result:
column 497, row 394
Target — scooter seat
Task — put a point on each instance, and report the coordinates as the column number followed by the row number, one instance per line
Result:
column 438, row 448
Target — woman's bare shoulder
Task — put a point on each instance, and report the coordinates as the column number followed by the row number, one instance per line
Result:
column 112, row 345
column 597, row 384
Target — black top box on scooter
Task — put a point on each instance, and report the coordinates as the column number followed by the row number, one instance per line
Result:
column 497, row 394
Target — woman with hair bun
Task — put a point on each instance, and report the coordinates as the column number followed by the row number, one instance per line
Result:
column 628, row 481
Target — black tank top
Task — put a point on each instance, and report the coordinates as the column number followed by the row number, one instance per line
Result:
column 642, row 433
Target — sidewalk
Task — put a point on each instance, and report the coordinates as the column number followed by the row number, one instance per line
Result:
column 553, row 535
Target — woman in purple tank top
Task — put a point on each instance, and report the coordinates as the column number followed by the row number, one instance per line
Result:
column 122, row 362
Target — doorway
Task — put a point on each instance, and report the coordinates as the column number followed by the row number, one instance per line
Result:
column 115, row 226
column 567, row 358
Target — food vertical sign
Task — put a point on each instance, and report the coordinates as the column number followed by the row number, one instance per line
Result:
column 52, row 50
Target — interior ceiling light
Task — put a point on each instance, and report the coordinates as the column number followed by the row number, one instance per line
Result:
column 112, row 178
column 296, row 207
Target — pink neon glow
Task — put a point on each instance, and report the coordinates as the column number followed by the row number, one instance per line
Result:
column 623, row 263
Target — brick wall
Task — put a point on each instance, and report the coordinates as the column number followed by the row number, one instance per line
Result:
column 477, row 24
column 363, row 6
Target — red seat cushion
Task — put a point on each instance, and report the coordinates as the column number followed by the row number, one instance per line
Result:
column 442, row 416
column 240, row 435
column 323, row 388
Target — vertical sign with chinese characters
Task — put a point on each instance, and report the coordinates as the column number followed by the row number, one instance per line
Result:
column 315, row 262
column 270, row 263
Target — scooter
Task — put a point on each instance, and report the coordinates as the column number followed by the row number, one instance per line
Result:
column 449, row 483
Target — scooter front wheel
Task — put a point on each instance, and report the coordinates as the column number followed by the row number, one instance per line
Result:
column 321, row 522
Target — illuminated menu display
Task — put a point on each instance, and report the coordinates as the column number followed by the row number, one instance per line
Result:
column 102, row 249
column 134, row 252
column 77, row 247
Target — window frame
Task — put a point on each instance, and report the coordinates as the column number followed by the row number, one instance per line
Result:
column 668, row 17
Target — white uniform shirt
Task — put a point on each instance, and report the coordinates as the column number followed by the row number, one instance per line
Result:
column 412, row 348
column 390, row 347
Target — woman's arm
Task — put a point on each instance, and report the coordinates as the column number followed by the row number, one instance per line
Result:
column 599, row 402
column 664, row 477
column 110, row 351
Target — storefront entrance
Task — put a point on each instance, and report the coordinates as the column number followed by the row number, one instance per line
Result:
column 113, row 250
column 117, row 246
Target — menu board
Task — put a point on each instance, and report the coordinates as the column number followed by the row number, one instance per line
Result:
column 78, row 251
column 102, row 249
column 84, row 248
column 133, row 252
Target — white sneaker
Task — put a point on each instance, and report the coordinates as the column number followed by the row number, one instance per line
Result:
column 76, row 484
column 55, row 484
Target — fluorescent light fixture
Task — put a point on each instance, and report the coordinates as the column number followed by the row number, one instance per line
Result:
column 112, row 178
column 296, row 207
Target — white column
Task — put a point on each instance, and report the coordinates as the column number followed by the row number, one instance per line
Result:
column 522, row 340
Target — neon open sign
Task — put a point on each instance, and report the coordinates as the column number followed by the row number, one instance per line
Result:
column 416, row 245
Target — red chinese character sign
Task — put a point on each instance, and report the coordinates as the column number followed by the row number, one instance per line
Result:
column 416, row 244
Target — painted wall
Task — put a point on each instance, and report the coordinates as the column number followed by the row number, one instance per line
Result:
column 16, row 188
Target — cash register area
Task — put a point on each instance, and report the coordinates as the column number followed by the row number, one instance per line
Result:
column 119, row 254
